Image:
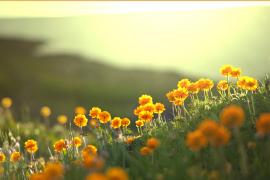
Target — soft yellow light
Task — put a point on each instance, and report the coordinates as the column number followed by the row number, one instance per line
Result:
column 72, row 8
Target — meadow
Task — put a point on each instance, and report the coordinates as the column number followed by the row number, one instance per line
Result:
column 214, row 131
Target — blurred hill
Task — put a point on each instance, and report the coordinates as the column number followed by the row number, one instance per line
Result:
column 63, row 81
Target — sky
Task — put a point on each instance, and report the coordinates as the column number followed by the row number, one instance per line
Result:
column 190, row 37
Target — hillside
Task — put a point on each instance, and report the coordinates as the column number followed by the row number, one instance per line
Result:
column 63, row 81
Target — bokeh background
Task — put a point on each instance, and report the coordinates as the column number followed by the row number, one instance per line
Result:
column 66, row 54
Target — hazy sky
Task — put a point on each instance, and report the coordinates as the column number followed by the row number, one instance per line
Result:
column 190, row 37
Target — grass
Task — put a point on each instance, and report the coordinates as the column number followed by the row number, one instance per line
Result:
column 244, row 156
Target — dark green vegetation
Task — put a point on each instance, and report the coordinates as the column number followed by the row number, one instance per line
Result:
column 64, row 81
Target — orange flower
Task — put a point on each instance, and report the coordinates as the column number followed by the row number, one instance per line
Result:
column 205, row 84
column 178, row 102
column 31, row 146
column 15, row 156
column 94, row 112
column 45, row 111
column 139, row 123
column 125, row 122
column 6, row 102
column 232, row 116
column 130, row 140
column 196, row 140
column 144, row 99
column 54, row 170
column 104, row 117
column 193, row 88
column 221, row 138
column 116, row 173
column 208, row 128
column 2, row 157
column 222, row 85
column 138, row 110
column 149, row 107
column 80, row 110
column 263, row 124
column 37, row 176
column 77, row 142
column 96, row 176
column 159, row 108
column 170, row 96
column 62, row 119
column 144, row 151
column 92, row 161
column 80, row 120
column 180, row 93
column 60, row 145
column 226, row 70
column 236, row 72
column 89, row 149
column 116, row 123
column 153, row 143
column 184, row 83
column 93, row 123
column 146, row 116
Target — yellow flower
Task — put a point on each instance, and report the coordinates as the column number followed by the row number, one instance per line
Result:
column 196, row 140
column 263, row 124
column 159, row 108
column 148, row 107
column 222, row 85
column 15, row 156
column 144, row 99
column 104, row 117
column 2, row 157
column 221, row 138
column 54, row 170
column 125, row 122
column 146, row 116
column 153, row 143
column 236, row 72
column 94, row 112
column 80, row 120
column 6, row 102
column 193, row 88
column 80, row 110
column 62, row 119
column 77, row 142
column 144, row 151
column 184, row 83
column 116, row 123
column 139, row 123
column 226, row 70
column 31, row 146
column 247, row 83
column 116, row 173
column 232, row 116
column 96, row 176
column 45, row 111
column 60, row 145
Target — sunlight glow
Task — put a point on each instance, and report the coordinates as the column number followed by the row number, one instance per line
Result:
column 71, row 8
